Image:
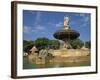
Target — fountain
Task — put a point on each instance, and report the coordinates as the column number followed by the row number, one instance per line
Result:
column 66, row 34
column 63, row 56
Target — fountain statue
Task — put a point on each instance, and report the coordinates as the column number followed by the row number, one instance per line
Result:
column 66, row 34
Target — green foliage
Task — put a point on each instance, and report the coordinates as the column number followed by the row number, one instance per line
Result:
column 42, row 42
column 46, row 43
column 77, row 43
column 54, row 43
column 88, row 44
column 25, row 42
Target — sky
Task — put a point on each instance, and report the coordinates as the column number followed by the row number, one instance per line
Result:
column 45, row 23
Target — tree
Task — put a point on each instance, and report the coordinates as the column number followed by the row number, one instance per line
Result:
column 77, row 43
column 41, row 42
column 28, row 47
column 25, row 42
column 88, row 44
column 54, row 44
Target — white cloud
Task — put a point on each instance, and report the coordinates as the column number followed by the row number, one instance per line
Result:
column 26, row 29
column 39, row 27
column 82, row 14
column 82, row 22
column 38, row 18
column 51, row 24
column 32, row 12
column 34, row 30
column 60, row 24
column 85, row 17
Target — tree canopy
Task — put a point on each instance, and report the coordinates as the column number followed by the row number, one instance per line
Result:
column 25, row 42
column 77, row 43
column 43, row 42
column 88, row 44
column 54, row 44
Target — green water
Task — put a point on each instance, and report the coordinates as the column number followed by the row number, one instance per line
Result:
column 32, row 65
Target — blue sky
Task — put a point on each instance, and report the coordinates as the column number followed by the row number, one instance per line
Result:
column 44, row 24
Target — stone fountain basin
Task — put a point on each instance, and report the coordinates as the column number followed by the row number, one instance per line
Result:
column 64, row 34
column 70, row 52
